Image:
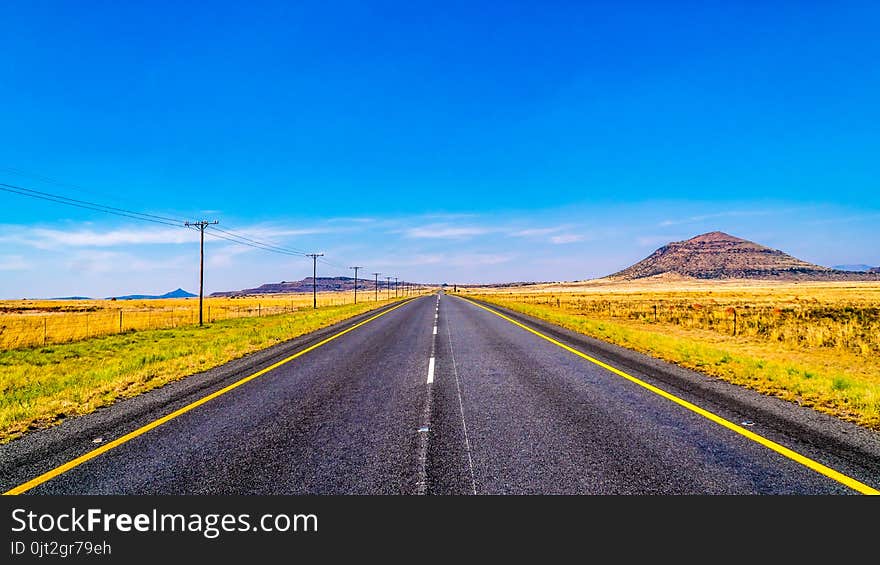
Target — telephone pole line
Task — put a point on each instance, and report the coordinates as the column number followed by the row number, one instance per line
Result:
column 377, row 285
column 396, row 286
column 201, row 225
column 356, row 282
column 314, row 257
column 388, row 286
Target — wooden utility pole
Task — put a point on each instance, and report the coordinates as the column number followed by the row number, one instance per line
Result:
column 201, row 225
column 356, row 282
column 314, row 257
column 377, row 285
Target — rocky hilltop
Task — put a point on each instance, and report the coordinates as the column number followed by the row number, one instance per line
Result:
column 717, row 255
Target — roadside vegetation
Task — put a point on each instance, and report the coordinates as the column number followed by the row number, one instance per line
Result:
column 40, row 386
column 814, row 344
column 26, row 323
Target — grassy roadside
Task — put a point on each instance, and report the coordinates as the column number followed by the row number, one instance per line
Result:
column 830, row 381
column 39, row 387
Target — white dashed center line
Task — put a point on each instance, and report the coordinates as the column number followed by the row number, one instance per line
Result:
column 431, row 369
column 424, row 430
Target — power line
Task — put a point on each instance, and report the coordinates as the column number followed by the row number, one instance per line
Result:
column 236, row 238
column 174, row 222
column 90, row 205
column 289, row 249
column 50, row 180
column 202, row 226
column 332, row 264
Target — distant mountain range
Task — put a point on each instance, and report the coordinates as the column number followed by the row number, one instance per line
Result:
column 853, row 268
column 717, row 255
column 323, row 284
column 179, row 293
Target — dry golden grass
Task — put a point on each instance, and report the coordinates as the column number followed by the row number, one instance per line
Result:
column 817, row 344
column 40, row 386
column 28, row 323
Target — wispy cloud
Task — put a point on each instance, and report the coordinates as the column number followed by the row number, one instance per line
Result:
column 566, row 238
column 447, row 216
column 655, row 240
column 537, row 232
column 78, row 236
column 45, row 238
column 94, row 261
column 445, row 231
column 224, row 256
column 844, row 219
column 416, row 260
column 727, row 214
column 448, row 259
column 13, row 263
column 478, row 259
column 281, row 232
column 354, row 220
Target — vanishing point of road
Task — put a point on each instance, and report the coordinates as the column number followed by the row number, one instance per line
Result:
column 444, row 395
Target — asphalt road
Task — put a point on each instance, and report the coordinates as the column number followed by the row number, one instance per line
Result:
column 499, row 410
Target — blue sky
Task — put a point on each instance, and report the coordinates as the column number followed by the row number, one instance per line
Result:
column 435, row 141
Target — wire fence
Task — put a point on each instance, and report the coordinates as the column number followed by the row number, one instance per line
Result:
column 848, row 326
column 20, row 330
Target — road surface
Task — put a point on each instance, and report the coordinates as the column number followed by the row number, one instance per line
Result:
column 442, row 396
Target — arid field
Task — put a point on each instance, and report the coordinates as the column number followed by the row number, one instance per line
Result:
column 28, row 323
column 87, row 363
column 817, row 344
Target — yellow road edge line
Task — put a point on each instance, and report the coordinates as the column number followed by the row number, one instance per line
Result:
column 48, row 475
column 770, row 444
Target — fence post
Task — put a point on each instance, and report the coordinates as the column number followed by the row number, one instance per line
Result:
column 120, row 320
column 209, row 314
column 655, row 313
column 45, row 320
column 259, row 310
column 734, row 322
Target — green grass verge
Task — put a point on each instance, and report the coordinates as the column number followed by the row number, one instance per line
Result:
column 842, row 385
column 41, row 386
